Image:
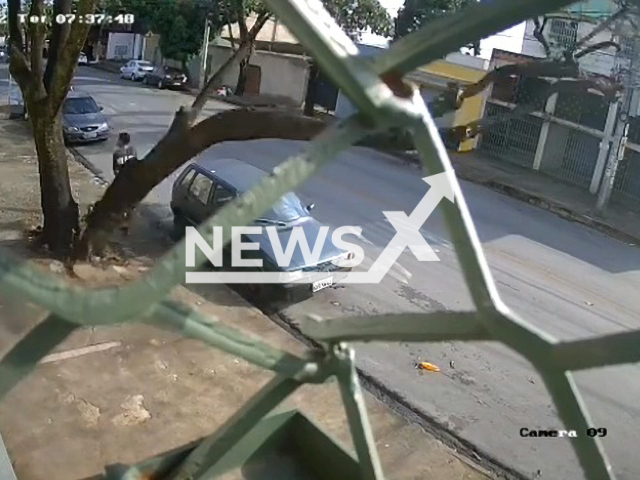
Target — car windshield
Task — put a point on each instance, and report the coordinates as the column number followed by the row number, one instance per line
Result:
column 80, row 106
column 287, row 209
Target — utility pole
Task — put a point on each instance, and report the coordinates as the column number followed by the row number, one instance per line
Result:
column 621, row 131
column 618, row 148
column 204, row 52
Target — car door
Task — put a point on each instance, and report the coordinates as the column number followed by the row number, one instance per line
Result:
column 180, row 192
column 197, row 206
column 220, row 197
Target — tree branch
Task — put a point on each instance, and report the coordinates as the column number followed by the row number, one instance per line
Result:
column 37, row 33
column 180, row 145
column 602, row 26
column 19, row 65
column 242, row 20
column 538, row 35
column 471, row 130
column 243, row 50
column 226, row 15
column 15, row 34
column 597, row 46
column 59, row 36
column 548, row 69
column 66, row 64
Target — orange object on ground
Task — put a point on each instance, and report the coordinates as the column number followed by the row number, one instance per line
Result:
column 430, row 367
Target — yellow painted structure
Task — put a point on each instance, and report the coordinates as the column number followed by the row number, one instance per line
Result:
column 471, row 109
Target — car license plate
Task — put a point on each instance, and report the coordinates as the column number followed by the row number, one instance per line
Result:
column 90, row 135
column 320, row 284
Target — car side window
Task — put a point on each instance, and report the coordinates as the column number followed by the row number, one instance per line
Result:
column 201, row 187
column 187, row 178
column 221, row 196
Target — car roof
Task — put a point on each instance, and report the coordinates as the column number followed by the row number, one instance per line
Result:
column 240, row 175
column 77, row 94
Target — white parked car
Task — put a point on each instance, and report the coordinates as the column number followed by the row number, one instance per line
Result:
column 82, row 59
column 135, row 69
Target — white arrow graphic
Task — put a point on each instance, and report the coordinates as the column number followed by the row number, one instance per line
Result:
column 408, row 231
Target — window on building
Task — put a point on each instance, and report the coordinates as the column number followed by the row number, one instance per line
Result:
column 628, row 47
column 563, row 33
column 121, row 51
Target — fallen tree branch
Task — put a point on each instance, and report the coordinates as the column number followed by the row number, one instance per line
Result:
column 608, row 89
column 177, row 147
column 602, row 26
column 538, row 35
column 595, row 47
column 544, row 69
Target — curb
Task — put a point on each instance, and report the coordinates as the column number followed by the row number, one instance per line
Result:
column 82, row 160
column 555, row 208
column 148, row 211
column 542, row 203
column 466, row 451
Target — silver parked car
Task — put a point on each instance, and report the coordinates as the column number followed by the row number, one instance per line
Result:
column 82, row 119
column 206, row 185
column 135, row 69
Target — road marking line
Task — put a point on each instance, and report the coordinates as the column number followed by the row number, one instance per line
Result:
column 77, row 352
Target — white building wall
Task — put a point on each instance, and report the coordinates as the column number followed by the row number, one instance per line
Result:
column 281, row 75
column 121, row 46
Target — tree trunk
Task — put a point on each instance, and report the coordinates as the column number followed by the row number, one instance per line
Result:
column 242, row 75
column 61, row 221
column 312, row 89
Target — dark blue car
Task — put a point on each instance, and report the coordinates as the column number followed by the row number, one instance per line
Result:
column 207, row 185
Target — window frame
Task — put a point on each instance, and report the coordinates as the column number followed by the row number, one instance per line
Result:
column 198, row 197
column 213, row 194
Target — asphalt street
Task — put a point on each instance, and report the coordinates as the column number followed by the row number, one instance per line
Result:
column 562, row 277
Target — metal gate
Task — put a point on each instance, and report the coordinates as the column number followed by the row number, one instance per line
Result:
column 514, row 140
column 626, row 188
column 570, row 155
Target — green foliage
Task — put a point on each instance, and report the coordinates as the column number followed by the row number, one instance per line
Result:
column 356, row 16
column 180, row 24
column 416, row 13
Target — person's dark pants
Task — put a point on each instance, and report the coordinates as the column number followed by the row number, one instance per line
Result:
column 126, row 222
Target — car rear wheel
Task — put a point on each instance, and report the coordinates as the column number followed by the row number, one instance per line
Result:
column 179, row 226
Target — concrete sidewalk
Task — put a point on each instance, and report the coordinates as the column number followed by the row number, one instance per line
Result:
column 535, row 188
column 122, row 394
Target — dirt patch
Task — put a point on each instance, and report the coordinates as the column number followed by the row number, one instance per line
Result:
column 19, row 189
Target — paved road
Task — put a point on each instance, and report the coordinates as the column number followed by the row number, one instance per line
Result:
column 562, row 277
